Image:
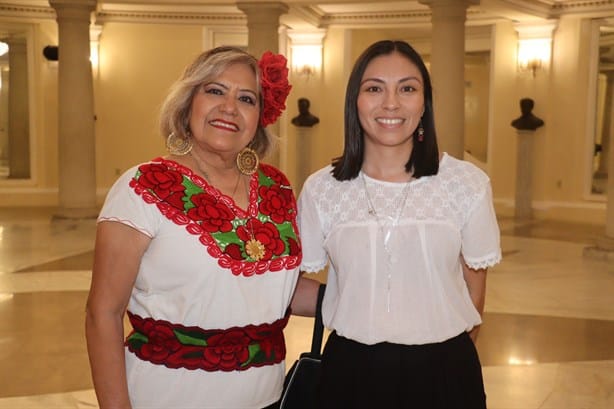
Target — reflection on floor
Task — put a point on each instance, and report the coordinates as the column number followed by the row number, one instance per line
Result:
column 547, row 339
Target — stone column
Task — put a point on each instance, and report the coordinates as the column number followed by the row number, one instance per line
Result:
column 524, row 172
column 4, row 122
column 609, row 222
column 604, row 245
column 304, row 135
column 600, row 178
column 263, row 35
column 76, row 139
column 18, row 112
column 448, row 71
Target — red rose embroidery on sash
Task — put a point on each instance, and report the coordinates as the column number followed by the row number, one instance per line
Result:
column 227, row 350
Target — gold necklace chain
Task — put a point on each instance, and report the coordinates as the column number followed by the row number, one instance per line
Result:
column 197, row 160
column 253, row 247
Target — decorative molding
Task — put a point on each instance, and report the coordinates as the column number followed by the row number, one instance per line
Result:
column 569, row 5
column 175, row 18
column 376, row 19
column 209, row 13
column 587, row 8
column 27, row 12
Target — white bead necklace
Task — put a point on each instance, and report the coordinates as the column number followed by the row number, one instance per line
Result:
column 387, row 229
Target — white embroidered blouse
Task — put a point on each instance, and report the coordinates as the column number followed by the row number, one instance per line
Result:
column 406, row 288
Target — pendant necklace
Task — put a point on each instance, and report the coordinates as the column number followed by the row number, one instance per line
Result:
column 387, row 229
column 253, row 247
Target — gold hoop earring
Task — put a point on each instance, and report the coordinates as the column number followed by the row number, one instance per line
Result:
column 247, row 161
column 178, row 146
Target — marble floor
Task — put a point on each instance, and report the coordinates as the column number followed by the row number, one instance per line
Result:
column 547, row 339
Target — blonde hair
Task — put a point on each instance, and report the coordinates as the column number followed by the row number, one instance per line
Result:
column 175, row 110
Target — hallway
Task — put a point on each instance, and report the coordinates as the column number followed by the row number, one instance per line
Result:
column 547, row 339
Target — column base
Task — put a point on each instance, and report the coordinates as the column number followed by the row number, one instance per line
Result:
column 602, row 250
column 76, row 213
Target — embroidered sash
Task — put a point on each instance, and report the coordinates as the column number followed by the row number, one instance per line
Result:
column 233, row 349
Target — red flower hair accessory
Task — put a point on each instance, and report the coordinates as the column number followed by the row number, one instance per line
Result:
column 275, row 86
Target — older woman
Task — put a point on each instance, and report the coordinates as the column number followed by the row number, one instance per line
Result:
column 201, row 248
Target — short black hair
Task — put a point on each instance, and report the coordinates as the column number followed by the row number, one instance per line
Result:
column 424, row 158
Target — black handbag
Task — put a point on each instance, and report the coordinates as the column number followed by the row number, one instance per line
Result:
column 301, row 382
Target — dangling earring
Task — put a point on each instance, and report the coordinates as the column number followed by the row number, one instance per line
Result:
column 420, row 132
column 247, row 161
column 179, row 146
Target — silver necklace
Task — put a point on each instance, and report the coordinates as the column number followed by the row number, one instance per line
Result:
column 387, row 229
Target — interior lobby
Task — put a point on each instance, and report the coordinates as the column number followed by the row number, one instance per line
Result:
column 548, row 329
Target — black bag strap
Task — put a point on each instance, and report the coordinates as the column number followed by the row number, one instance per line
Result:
column 318, row 325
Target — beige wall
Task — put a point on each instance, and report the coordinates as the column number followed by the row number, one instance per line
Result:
column 138, row 62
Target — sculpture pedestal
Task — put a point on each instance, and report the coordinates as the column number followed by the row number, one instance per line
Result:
column 524, row 173
column 303, row 155
column 602, row 250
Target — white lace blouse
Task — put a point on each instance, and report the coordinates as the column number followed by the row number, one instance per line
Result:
column 394, row 251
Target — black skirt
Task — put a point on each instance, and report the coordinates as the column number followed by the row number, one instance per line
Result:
column 441, row 375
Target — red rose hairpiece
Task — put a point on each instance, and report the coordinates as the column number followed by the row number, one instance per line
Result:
column 275, row 86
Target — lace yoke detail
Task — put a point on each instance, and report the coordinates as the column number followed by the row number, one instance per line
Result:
column 448, row 196
column 227, row 232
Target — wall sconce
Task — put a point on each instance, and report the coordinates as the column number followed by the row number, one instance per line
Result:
column 306, row 52
column 95, row 31
column 4, row 48
column 534, row 46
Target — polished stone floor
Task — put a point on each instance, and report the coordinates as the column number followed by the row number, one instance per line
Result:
column 547, row 339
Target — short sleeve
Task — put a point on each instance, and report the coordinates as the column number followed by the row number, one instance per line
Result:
column 311, row 232
column 124, row 205
column 481, row 247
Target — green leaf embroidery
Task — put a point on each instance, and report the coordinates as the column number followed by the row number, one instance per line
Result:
column 186, row 339
column 224, row 239
column 253, row 352
column 137, row 336
column 264, row 180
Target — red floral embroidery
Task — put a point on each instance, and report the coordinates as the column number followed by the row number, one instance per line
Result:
column 276, row 202
column 273, row 346
column 227, row 350
column 216, row 221
column 265, row 233
column 233, row 349
column 214, row 215
column 234, row 251
column 276, row 176
column 295, row 248
column 162, row 341
column 164, row 182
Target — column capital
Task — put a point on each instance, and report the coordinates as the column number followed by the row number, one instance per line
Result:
column 450, row 3
column 91, row 4
column 262, row 12
column 449, row 8
column 73, row 8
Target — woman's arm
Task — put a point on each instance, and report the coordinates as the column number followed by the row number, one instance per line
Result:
column 117, row 256
column 476, row 283
column 305, row 297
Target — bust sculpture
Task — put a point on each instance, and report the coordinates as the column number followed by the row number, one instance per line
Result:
column 304, row 117
column 527, row 121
